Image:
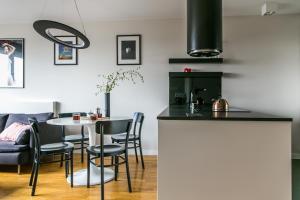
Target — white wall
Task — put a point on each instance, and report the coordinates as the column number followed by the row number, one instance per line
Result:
column 262, row 68
column 75, row 86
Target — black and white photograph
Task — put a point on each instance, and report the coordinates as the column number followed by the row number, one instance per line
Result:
column 64, row 55
column 12, row 63
column 129, row 50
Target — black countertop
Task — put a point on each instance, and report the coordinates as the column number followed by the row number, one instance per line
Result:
column 234, row 114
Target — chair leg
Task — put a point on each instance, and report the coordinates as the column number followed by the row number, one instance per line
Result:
column 112, row 160
column 32, row 173
column 116, row 167
column 102, row 175
column 36, row 173
column 141, row 153
column 88, row 170
column 82, row 151
column 61, row 160
column 135, row 150
column 66, row 165
column 19, row 169
column 127, row 172
column 71, row 160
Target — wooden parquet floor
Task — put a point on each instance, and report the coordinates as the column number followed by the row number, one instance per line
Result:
column 52, row 184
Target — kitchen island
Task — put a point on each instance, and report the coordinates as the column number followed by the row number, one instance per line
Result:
column 237, row 155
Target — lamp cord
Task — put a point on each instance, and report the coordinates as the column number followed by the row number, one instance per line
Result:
column 45, row 2
column 81, row 21
column 43, row 9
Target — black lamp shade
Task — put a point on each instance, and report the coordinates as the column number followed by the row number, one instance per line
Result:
column 43, row 27
column 204, row 28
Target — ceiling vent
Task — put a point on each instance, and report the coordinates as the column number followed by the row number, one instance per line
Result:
column 269, row 8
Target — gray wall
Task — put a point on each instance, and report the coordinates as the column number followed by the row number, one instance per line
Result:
column 262, row 69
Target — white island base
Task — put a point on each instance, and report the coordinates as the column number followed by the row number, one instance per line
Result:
column 224, row 160
column 80, row 177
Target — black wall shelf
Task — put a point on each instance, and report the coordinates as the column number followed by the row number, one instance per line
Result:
column 194, row 60
column 195, row 74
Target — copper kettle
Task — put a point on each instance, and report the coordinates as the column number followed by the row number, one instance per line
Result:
column 220, row 105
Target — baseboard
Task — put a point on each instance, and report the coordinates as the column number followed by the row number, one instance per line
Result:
column 150, row 152
column 145, row 152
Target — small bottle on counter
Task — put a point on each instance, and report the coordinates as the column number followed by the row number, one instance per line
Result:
column 98, row 112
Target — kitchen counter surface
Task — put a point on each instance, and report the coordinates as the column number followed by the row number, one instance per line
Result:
column 234, row 114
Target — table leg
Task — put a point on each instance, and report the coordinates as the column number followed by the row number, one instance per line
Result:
column 80, row 177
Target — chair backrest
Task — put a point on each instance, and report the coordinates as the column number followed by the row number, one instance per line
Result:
column 35, row 132
column 113, row 127
column 138, row 118
column 62, row 115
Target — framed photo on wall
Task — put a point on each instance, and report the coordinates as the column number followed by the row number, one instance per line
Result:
column 64, row 55
column 129, row 50
column 12, row 63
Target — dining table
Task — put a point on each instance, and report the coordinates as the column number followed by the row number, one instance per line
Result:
column 80, row 177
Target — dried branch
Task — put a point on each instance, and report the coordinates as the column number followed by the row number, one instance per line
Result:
column 112, row 80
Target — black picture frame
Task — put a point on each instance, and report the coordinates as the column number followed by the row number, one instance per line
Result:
column 133, row 42
column 20, row 46
column 74, row 61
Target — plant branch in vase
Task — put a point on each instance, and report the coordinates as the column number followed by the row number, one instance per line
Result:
column 109, row 81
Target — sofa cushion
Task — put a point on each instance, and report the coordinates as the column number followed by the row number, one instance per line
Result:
column 16, row 132
column 12, row 118
column 9, row 147
column 15, row 158
column 42, row 117
column 3, row 119
column 23, row 118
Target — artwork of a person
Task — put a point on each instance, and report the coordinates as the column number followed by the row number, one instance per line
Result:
column 8, row 51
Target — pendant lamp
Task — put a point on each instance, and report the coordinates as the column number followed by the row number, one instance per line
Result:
column 43, row 27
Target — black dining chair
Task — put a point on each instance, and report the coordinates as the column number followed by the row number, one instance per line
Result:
column 60, row 148
column 77, row 139
column 118, row 151
column 135, row 139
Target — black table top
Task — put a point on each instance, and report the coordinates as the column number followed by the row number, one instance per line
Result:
column 234, row 114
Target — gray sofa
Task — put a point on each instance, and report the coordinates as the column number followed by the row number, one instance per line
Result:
column 20, row 153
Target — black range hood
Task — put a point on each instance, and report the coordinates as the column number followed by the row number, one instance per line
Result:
column 204, row 28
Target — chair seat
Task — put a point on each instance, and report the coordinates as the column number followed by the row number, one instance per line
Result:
column 57, row 147
column 109, row 149
column 76, row 138
column 122, row 137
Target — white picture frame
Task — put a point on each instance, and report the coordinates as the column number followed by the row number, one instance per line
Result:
column 64, row 55
column 12, row 62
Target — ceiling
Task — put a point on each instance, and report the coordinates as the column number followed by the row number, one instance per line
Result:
column 26, row 11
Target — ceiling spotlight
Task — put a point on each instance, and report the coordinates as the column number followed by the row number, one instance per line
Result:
column 269, row 8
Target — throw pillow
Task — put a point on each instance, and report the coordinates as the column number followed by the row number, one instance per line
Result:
column 15, row 132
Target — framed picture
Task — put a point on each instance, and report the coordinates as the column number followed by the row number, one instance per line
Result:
column 129, row 50
column 12, row 63
column 64, row 55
